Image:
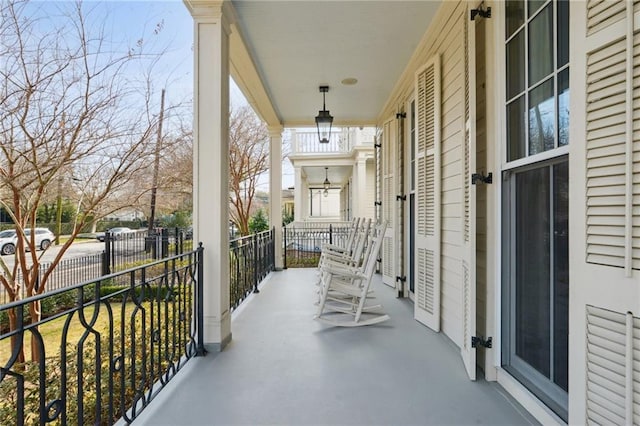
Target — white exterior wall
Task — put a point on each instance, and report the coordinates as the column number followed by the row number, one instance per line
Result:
column 445, row 37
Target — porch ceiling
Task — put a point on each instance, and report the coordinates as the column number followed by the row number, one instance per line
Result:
column 296, row 46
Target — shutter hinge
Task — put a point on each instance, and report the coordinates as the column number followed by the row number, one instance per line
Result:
column 478, row 341
column 482, row 12
column 481, row 178
column 401, row 115
column 377, row 203
column 377, row 145
column 401, row 198
column 401, row 279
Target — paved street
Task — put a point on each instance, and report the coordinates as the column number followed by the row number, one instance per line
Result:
column 78, row 249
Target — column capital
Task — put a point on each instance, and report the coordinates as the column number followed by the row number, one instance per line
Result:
column 212, row 10
column 275, row 131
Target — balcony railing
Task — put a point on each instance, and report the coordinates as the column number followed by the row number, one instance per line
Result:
column 251, row 258
column 100, row 351
column 306, row 142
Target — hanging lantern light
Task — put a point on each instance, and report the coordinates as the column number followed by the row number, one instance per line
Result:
column 324, row 120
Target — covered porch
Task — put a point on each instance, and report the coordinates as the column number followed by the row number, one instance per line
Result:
column 282, row 367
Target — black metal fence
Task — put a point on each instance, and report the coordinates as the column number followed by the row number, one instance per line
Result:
column 101, row 350
column 251, row 258
column 303, row 242
column 123, row 249
column 66, row 273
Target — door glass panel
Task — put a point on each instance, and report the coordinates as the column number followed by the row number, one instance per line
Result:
column 514, row 16
column 533, row 6
column 532, row 290
column 563, row 107
column 561, row 275
column 516, row 135
column 515, row 66
column 540, row 50
column 542, row 118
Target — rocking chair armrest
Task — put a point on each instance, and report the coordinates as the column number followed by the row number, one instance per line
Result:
column 331, row 249
column 341, row 262
column 342, row 270
column 338, row 257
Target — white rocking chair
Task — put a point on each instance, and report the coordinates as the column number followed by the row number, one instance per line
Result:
column 345, row 288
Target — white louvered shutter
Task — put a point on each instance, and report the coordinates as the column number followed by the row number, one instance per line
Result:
column 399, row 204
column 427, row 193
column 604, row 277
column 613, row 161
column 613, row 354
column 468, row 263
column 388, row 201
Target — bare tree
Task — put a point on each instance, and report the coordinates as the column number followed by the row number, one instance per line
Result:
column 71, row 115
column 248, row 159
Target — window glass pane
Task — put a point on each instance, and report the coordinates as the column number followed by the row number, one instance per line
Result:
column 515, row 66
column 563, row 107
column 542, row 117
column 516, row 134
column 563, row 32
column 561, row 275
column 532, row 283
column 541, row 45
column 515, row 16
column 533, row 6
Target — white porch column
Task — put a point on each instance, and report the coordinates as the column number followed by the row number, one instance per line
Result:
column 355, row 197
column 211, row 163
column 361, row 187
column 297, row 195
column 275, row 186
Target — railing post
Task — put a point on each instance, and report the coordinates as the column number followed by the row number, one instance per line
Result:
column 165, row 243
column 273, row 248
column 106, row 255
column 200, row 350
column 330, row 234
column 284, row 249
column 255, row 263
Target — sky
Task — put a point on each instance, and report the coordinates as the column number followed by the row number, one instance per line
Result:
column 125, row 22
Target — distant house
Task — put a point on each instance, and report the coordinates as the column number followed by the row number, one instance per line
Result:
column 126, row 215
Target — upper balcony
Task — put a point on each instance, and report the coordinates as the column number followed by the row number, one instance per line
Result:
column 304, row 142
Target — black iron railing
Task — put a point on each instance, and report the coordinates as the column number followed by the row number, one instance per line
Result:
column 303, row 242
column 100, row 351
column 251, row 258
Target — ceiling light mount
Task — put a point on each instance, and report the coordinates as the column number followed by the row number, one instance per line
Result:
column 324, row 120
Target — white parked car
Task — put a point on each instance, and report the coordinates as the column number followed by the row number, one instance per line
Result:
column 119, row 233
column 8, row 239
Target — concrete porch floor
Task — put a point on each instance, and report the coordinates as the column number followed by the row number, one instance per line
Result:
column 284, row 368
